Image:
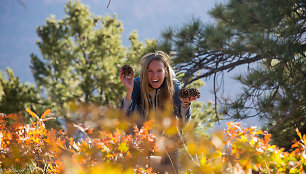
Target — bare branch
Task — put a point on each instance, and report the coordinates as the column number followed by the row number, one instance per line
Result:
column 215, row 93
column 222, row 68
column 109, row 3
column 22, row 4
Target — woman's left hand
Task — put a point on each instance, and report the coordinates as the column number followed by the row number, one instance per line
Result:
column 187, row 101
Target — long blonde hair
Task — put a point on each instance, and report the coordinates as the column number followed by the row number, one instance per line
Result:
column 167, row 87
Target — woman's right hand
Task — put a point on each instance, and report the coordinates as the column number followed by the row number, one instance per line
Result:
column 128, row 82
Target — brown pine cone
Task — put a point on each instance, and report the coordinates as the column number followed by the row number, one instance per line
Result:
column 127, row 70
column 184, row 93
column 194, row 92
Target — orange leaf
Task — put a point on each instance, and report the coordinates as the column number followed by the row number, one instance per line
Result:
column 259, row 132
column 149, row 170
column 50, row 118
column 58, row 163
column 298, row 132
column 47, row 112
column 12, row 116
column 32, row 113
column 267, row 138
column 294, row 145
column 90, row 131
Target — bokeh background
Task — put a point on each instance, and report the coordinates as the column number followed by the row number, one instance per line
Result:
column 20, row 18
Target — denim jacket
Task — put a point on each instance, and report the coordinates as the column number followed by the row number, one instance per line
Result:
column 136, row 104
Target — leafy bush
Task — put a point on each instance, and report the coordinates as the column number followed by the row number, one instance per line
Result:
column 31, row 148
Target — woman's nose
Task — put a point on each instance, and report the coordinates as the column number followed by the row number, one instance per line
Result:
column 154, row 74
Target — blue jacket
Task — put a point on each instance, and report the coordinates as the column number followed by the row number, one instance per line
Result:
column 137, row 100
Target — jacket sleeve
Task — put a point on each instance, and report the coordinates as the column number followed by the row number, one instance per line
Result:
column 129, row 106
column 125, row 105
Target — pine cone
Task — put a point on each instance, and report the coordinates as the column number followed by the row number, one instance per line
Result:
column 184, row 93
column 127, row 70
column 189, row 92
column 194, row 92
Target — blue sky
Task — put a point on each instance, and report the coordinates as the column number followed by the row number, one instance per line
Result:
column 149, row 17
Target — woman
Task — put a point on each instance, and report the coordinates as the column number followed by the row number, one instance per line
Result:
column 152, row 90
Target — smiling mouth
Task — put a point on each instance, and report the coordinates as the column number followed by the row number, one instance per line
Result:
column 155, row 81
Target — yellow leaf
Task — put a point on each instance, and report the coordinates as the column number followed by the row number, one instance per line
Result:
column 243, row 138
column 203, row 161
column 192, row 148
column 259, row 132
column 253, row 141
column 50, row 168
column 109, row 156
column 36, row 140
column 73, row 106
column 172, row 130
column 123, row 147
column 98, row 169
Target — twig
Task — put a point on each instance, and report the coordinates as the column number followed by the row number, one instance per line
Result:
column 186, row 148
column 215, row 93
column 284, row 119
column 169, row 156
column 109, row 3
column 222, row 68
column 22, row 4
column 170, row 161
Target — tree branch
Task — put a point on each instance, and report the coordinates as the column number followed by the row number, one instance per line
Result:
column 109, row 3
column 22, row 4
column 222, row 68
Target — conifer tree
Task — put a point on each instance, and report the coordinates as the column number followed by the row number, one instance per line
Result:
column 270, row 33
column 81, row 56
column 16, row 96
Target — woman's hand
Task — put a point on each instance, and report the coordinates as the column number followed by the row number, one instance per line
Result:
column 187, row 101
column 187, row 95
column 128, row 82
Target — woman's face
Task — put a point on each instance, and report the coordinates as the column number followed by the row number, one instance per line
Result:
column 156, row 73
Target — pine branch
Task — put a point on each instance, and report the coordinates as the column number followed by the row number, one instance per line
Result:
column 284, row 119
column 229, row 66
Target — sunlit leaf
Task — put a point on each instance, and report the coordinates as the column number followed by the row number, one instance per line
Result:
column 47, row 112
column 267, row 138
column 123, row 147
column 32, row 113
column 298, row 133
column 203, row 160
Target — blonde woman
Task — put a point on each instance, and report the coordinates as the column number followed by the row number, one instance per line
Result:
column 155, row 86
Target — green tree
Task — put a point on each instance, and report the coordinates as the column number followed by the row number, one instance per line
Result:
column 271, row 33
column 81, row 58
column 277, row 93
column 16, row 96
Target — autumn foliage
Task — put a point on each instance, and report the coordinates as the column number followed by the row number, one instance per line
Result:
column 32, row 148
